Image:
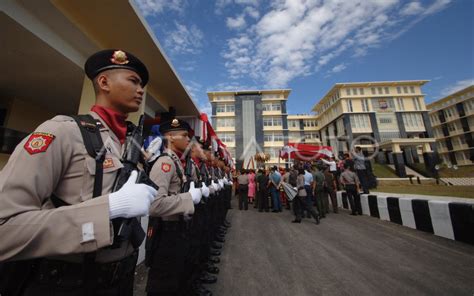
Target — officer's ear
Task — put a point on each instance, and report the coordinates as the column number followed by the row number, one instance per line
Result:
column 102, row 83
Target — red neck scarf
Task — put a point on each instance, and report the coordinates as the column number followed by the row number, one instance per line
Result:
column 197, row 161
column 180, row 156
column 114, row 120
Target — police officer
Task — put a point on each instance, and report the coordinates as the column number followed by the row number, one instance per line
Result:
column 51, row 217
column 168, row 236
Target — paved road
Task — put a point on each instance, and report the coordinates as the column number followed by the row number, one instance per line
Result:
column 265, row 254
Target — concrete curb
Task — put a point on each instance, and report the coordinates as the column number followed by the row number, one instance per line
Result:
column 448, row 218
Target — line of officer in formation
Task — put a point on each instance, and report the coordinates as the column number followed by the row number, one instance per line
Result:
column 59, row 201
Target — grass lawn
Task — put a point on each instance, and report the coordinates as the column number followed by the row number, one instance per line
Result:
column 428, row 189
column 461, row 172
column 383, row 171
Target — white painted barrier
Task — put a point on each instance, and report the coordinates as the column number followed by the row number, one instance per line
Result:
column 441, row 219
column 406, row 211
column 383, row 208
column 364, row 200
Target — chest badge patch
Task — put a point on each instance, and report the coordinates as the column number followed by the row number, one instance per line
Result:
column 38, row 142
column 166, row 167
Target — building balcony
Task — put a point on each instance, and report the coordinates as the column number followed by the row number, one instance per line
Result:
column 273, row 128
column 225, row 114
column 311, row 128
column 272, row 113
column 274, row 144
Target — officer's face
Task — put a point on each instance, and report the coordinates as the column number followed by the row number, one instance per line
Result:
column 198, row 152
column 180, row 140
column 125, row 92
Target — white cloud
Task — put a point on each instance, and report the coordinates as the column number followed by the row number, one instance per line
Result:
column 184, row 40
column 338, row 68
column 252, row 12
column 459, row 85
column 236, row 23
column 153, row 7
column 412, row 8
column 296, row 37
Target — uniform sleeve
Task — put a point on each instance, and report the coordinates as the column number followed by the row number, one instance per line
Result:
column 164, row 204
column 29, row 228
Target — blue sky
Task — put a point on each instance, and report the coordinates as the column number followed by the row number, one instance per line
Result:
column 309, row 45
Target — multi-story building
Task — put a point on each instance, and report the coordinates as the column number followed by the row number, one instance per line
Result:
column 389, row 118
column 303, row 128
column 452, row 119
column 251, row 121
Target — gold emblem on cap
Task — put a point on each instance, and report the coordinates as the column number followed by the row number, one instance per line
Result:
column 119, row 57
column 175, row 123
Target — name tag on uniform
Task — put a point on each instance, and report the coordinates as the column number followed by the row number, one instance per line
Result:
column 87, row 232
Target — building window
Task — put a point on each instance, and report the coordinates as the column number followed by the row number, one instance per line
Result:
column 311, row 136
column 462, row 140
column 405, row 90
column 365, row 105
column 271, row 107
column 379, row 90
column 226, row 137
column 272, row 121
column 401, row 105
column 354, row 91
column 413, row 121
column 451, row 127
column 294, row 136
column 360, row 121
column 412, row 89
column 386, row 90
column 348, row 91
column 349, row 106
column 361, row 91
column 416, row 103
column 310, row 123
column 223, row 108
column 372, row 90
column 294, row 123
column 225, row 122
column 273, row 137
column 399, row 90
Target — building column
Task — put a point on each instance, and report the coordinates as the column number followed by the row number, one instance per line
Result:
column 429, row 158
column 380, row 158
column 399, row 164
column 397, row 157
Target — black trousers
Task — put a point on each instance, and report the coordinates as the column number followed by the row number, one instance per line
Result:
column 64, row 279
column 243, row 197
column 167, row 273
column 300, row 204
column 354, row 198
column 262, row 200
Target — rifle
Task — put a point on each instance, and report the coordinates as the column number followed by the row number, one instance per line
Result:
column 188, row 172
column 130, row 229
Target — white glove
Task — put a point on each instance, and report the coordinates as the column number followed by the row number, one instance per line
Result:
column 221, row 183
column 231, row 183
column 195, row 193
column 214, row 185
column 132, row 200
column 226, row 182
column 154, row 149
column 205, row 190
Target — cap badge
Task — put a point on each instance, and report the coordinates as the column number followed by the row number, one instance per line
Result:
column 119, row 57
column 175, row 123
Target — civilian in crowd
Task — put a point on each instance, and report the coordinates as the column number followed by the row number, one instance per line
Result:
column 251, row 192
column 275, row 179
column 243, row 189
column 318, row 189
column 262, row 190
column 361, row 169
column 351, row 183
column 330, row 188
column 308, row 186
column 300, row 203
column 286, row 178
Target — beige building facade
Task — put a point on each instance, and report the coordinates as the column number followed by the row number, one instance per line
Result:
column 378, row 116
column 452, row 119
